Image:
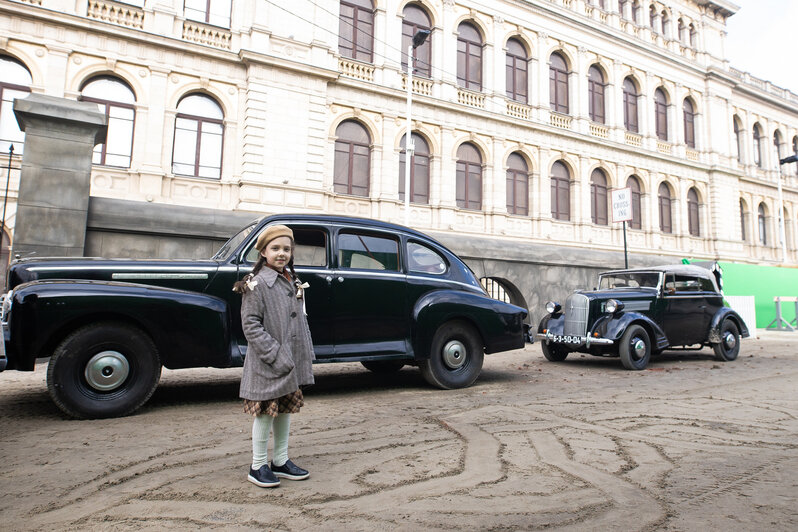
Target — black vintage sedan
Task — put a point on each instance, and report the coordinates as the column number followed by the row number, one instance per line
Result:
column 380, row 294
column 637, row 313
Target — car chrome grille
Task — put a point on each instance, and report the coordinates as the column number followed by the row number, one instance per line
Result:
column 576, row 307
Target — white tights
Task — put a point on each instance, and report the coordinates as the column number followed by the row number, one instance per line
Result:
column 260, row 439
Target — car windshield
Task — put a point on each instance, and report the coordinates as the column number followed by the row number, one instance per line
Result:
column 609, row 281
column 231, row 245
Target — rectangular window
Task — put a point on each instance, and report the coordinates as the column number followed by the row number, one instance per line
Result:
column 215, row 12
column 366, row 252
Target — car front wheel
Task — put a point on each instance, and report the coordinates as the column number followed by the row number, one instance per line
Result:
column 456, row 357
column 553, row 352
column 635, row 348
column 103, row 370
column 729, row 346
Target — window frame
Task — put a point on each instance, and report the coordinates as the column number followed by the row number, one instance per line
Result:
column 595, row 91
column 630, row 107
column 467, row 79
column 689, row 123
column 516, row 177
column 107, row 104
column 415, row 159
column 350, row 151
column 516, row 67
column 599, row 213
column 354, row 23
column 464, row 175
column 693, row 213
column 560, row 186
column 558, row 79
column 665, row 208
column 422, row 55
column 633, row 183
column 200, row 120
column 661, row 114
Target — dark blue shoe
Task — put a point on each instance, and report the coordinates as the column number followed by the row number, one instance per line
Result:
column 263, row 477
column 290, row 470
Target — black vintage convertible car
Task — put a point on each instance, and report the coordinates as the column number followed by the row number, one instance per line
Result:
column 380, row 294
column 636, row 313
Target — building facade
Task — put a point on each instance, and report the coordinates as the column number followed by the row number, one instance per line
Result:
column 527, row 114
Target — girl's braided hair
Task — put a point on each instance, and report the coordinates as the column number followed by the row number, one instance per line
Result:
column 241, row 286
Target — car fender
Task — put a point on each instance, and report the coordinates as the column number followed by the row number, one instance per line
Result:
column 499, row 324
column 717, row 321
column 613, row 327
column 189, row 329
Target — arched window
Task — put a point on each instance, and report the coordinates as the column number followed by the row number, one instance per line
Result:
column 637, row 214
column 469, row 57
column 738, row 138
column 762, row 222
column 199, row 133
column 419, row 170
column 116, row 99
column 777, row 147
column 516, row 71
column 352, row 159
column 517, row 185
column 665, row 219
column 652, row 18
column 15, row 81
column 693, row 35
column 598, row 197
column 743, row 220
column 757, row 146
column 215, row 12
column 787, row 229
column 595, row 90
column 469, row 177
column 693, row 223
column 356, row 29
column 558, row 84
column 560, row 192
column 689, row 123
column 661, row 114
column 682, row 29
column 630, row 105
column 414, row 19
column 665, row 23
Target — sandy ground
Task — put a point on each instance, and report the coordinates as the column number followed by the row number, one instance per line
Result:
column 688, row 444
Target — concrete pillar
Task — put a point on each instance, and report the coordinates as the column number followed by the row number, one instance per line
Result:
column 60, row 135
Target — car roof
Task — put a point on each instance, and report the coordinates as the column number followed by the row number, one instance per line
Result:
column 332, row 219
column 684, row 269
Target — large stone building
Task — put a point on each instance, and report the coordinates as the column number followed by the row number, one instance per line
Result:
column 527, row 114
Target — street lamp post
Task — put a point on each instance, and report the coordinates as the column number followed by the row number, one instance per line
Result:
column 418, row 39
column 790, row 159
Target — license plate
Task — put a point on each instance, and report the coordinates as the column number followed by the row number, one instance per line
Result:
column 566, row 339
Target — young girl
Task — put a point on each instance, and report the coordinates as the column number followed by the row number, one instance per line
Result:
column 279, row 356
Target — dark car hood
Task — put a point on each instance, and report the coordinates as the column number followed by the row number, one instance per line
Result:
column 162, row 272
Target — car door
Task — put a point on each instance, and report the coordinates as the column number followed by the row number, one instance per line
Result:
column 311, row 263
column 685, row 318
column 368, row 290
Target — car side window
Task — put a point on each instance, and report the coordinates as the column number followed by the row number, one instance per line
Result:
column 682, row 283
column 422, row 259
column 707, row 285
column 310, row 247
column 367, row 252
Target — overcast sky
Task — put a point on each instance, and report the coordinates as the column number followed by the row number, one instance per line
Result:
column 763, row 40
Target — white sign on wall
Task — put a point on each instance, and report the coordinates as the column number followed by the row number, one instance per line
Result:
column 621, row 205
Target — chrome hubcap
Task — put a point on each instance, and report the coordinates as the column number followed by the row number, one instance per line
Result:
column 639, row 348
column 107, row 371
column 454, row 354
column 729, row 340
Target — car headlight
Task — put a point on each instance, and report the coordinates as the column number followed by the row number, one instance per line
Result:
column 612, row 306
column 552, row 307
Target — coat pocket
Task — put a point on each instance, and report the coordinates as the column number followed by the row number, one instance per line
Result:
column 284, row 362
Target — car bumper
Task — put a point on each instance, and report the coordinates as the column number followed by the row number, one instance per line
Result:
column 575, row 341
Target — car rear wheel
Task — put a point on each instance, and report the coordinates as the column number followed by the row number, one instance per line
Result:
column 553, row 352
column 635, row 348
column 383, row 366
column 456, row 357
column 729, row 346
column 103, row 370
